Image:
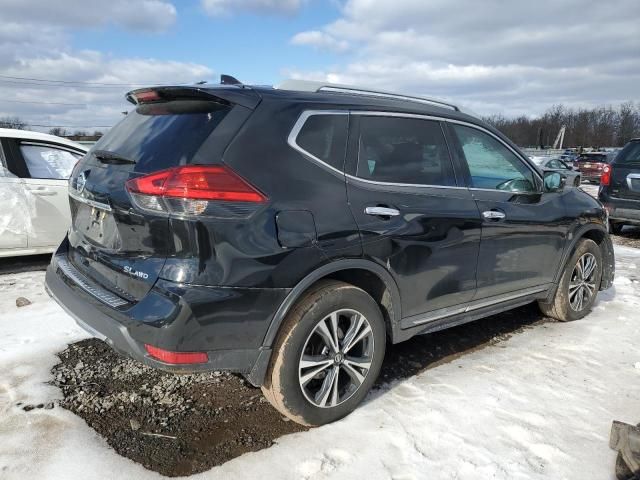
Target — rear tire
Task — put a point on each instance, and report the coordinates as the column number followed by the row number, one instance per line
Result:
column 579, row 284
column 337, row 331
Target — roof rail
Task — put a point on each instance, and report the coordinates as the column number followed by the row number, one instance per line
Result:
column 312, row 86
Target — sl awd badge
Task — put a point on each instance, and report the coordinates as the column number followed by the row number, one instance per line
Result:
column 135, row 273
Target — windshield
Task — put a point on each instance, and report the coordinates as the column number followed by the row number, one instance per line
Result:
column 629, row 154
column 163, row 135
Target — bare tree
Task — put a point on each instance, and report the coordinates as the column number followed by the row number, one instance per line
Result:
column 595, row 127
column 13, row 122
column 59, row 131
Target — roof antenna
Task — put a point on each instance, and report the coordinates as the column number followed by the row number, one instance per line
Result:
column 229, row 80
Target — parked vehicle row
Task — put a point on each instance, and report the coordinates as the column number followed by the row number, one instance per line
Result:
column 34, row 172
column 289, row 234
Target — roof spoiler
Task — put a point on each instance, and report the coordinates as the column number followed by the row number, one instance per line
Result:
column 226, row 94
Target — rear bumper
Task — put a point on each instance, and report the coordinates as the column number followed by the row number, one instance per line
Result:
column 620, row 209
column 227, row 323
column 591, row 177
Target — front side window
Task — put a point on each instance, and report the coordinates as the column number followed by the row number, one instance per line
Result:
column 48, row 162
column 324, row 136
column 491, row 164
column 403, row 150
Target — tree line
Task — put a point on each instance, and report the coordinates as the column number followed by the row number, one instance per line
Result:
column 603, row 126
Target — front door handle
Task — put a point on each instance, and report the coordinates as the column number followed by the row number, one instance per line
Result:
column 42, row 191
column 382, row 211
column 493, row 215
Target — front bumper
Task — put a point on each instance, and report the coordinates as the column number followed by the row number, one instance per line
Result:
column 227, row 323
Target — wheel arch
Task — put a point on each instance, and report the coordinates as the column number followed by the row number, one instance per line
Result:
column 599, row 234
column 371, row 277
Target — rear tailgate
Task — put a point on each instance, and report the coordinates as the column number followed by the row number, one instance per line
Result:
column 625, row 173
column 592, row 165
column 113, row 242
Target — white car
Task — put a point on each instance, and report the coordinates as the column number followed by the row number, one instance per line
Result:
column 34, row 204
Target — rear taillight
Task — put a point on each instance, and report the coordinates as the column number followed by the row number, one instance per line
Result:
column 206, row 190
column 605, row 178
column 176, row 358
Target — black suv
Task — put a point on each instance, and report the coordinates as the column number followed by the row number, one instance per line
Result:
column 289, row 233
column 620, row 187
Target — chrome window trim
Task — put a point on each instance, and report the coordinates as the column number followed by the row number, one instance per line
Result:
column 91, row 203
column 295, row 131
column 52, row 145
column 293, row 134
column 415, row 185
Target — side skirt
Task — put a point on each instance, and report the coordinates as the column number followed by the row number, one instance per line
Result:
column 453, row 316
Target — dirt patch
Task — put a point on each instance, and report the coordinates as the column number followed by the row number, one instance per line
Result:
column 173, row 424
column 185, row 424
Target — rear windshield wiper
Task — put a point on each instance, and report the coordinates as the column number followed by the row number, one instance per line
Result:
column 109, row 157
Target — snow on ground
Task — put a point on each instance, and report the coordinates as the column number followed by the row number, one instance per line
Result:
column 537, row 406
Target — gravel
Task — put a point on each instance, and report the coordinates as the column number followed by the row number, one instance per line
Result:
column 173, row 424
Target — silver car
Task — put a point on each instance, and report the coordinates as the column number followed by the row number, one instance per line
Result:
column 554, row 163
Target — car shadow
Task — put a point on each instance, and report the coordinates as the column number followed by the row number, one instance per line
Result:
column 423, row 352
column 29, row 263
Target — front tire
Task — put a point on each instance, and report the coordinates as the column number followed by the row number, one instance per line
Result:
column 579, row 284
column 327, row 355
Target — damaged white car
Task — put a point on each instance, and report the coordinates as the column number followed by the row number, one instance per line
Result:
column 34, row 205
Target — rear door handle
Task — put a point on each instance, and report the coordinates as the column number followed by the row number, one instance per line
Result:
column 382, row 211
column 493, row 215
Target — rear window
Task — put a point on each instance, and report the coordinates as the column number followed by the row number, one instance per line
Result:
column 163, row 135
column 629, row 154
column 325, row 136
column 602, row 158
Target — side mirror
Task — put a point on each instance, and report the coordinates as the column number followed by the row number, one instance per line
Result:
column 554, row 182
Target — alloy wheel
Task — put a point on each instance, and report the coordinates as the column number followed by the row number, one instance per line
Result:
column 582, row 286
column 336, row 358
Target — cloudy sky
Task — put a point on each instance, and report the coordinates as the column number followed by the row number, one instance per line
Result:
column 69, row 62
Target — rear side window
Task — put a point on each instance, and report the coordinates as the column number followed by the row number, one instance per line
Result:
column 163, row 135
column 48, row 162
column 324, row 136
column 403, row 150
column 629, row 154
